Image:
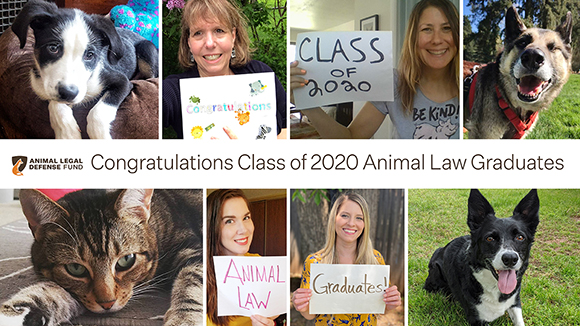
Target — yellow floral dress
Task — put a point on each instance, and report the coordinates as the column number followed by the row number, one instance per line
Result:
column 236, row 320
column 345, row 319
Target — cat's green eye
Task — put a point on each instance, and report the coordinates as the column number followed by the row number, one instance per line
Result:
column 125, row 262
column 76, row 270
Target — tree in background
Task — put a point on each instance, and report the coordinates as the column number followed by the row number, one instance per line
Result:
column 484, row 43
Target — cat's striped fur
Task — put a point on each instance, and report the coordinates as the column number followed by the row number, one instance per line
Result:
column 95, row 246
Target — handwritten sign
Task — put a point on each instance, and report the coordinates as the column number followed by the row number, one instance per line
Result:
column 344, row 67
column 348, row 289
column 251, row 285
column 246, row 104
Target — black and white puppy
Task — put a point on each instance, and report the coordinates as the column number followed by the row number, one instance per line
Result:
column 82, row 59
column 484, row 270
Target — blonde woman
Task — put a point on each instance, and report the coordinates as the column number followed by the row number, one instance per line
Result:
column 426, row 104
column 347, row 242
column 214, row 42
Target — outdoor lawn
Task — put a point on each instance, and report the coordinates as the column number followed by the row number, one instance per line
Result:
column 551, row 286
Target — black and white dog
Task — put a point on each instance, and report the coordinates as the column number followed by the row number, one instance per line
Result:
column 484, row 270
column 80, row 59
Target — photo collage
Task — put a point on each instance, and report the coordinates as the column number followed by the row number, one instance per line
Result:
column 249, row 162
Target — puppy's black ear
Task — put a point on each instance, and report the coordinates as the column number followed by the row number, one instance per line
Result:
column 528, row 210
column 478, row 209
column 107, row 29
column 565, row 29
column 514, row 26
column 35, row 14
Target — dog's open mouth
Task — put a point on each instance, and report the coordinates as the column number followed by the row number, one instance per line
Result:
column 506, row 279
column 530, row 88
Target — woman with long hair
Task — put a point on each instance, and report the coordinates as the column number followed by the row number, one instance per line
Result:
column 229, row 233
column 426, row 103
column 347, row 242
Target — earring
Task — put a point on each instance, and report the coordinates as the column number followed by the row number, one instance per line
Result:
column 233, row 53
column 191, row 58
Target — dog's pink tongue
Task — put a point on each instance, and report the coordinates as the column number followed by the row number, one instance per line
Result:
column 507, row 281
column 530, row 85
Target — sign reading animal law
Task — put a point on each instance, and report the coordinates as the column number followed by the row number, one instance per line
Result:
column 251, row 285
column 241, row 106
column 344, row 67
column 348, row 289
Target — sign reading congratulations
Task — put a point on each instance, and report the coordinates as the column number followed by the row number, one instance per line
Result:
column 344, row 67
column 348, row 289
column 223, row 107
column 251, row 285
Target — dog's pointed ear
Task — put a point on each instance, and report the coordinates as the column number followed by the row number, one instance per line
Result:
column 514, row 26
column 107, row 29
column 35, row 14
column 565, row 29
column 39, row 209
column 528, row 210
column 478, row 209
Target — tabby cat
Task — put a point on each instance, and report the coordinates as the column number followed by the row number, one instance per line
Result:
column 93, row 247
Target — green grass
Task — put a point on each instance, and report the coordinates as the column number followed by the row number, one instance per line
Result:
column 551, row 286
column 562, row 119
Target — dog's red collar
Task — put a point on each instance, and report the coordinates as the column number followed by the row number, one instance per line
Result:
column 521, row 126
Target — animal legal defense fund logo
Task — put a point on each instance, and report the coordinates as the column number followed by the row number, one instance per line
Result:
column 19, row 163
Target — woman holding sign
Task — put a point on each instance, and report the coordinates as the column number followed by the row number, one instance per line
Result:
column 347, row 242
column 214, row 42
column 229, row 233
column 426, row 104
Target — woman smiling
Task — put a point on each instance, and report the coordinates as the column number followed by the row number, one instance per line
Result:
column 214, row 42
column 426, row 104
column 347, row 242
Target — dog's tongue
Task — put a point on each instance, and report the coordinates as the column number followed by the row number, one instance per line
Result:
column 530, row 85
column 507, row 281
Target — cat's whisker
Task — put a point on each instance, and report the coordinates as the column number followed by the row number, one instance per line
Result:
column 65, row 230
column 73, row 229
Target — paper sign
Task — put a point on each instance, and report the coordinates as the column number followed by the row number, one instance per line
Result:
column 344, row 67
column 246, row 104
column 348, row 289
column 251, row 285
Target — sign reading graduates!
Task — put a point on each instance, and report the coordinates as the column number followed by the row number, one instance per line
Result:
column 344, row 288
column 344, row 67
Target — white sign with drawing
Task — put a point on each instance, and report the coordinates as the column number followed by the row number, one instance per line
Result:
column 251, row 285
column 344, row 67
column 348, row 289
column 218, row 107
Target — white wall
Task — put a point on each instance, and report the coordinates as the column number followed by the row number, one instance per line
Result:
column 387, row 11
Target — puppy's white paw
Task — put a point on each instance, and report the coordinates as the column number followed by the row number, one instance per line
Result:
column 62, row 121
column 99, row 120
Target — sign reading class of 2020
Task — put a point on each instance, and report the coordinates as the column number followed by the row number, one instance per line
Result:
column 251, row 285
column 348, row 289
column 344, row 67
column 244, row 105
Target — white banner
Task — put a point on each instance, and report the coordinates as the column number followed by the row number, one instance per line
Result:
column 244, row 104
column 348, row 289
column 251, row 285
column 344, row 67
